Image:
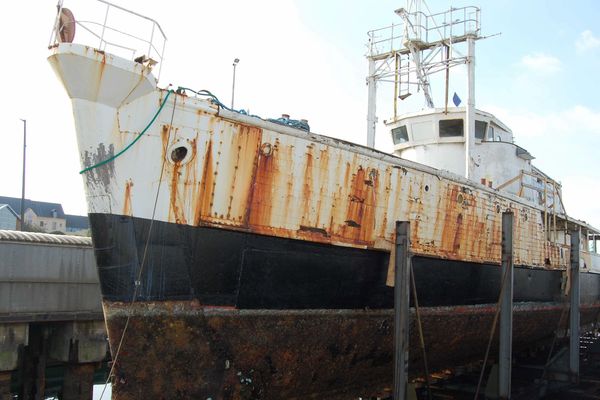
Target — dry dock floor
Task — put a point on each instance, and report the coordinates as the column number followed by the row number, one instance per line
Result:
column 461, row 383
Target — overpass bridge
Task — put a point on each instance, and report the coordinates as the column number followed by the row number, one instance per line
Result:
column 52, row 333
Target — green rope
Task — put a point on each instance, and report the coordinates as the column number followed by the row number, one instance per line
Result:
column 133, row 142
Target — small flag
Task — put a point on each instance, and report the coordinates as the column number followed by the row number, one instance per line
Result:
column 456, row 100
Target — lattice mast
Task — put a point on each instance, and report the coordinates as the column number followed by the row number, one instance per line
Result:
column 418, row 47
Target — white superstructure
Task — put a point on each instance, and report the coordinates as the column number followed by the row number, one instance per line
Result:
column 437, row 137
column 462, row 140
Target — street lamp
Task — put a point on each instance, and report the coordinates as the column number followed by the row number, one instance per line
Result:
column 23, row 185
column 235, row 63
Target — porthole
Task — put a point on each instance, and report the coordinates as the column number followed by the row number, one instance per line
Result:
column 179, row 152
column 427, row 188
column 460, row 199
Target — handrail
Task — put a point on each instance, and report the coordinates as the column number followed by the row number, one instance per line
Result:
column 136, row 14
column 100, row 31
column 423, row 25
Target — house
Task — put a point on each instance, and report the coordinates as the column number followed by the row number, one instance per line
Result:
column 9, row 219
column 77, row 224
column 44, row 217
column 38, row 215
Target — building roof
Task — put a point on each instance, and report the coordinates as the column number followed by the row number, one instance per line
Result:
column 79, row 222
column 40, row 208
column 9, row 208
column 36, row 237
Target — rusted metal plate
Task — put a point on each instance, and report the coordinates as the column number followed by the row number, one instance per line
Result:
column 224, row 353
column 301, row 187
column 247, row 174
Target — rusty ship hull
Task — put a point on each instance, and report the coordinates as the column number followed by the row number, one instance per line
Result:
column 250, row 260
column 186, row 350
column 234, row 315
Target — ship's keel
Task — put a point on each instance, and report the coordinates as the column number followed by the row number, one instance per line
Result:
column 184, row 350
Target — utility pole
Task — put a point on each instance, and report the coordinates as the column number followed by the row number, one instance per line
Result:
column 23, row 184
column 235, row 63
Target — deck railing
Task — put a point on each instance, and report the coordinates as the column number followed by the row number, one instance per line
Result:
column 121, row 32
column 454, row 24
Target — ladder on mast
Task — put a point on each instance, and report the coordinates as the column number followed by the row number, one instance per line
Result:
column 413, row 47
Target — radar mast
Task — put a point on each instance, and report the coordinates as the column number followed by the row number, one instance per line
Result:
column 421, row 45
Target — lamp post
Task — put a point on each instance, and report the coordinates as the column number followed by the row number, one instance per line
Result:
column 23, row 184
column 235, row 63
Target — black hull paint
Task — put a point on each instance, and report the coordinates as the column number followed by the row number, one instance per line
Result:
column 221, row 267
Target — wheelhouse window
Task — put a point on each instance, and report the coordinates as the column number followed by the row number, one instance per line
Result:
column 491, row 134
column 594, row 244
column 480, row 128
column 400, row 134
column 451, row 128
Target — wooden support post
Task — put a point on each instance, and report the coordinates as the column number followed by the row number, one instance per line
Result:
column 574, row 316
column 401, row 309
column 78, row 381
column 40, row 378
column 33, row 364
column 506, row 308
column 27, row 367
column 5, row 378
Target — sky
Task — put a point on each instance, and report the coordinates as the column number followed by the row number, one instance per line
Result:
column 306, row 58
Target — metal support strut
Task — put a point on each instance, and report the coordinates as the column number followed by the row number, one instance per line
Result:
column 401, row 309
column 575, row 302
column 506, row 308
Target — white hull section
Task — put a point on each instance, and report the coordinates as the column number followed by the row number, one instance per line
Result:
column 243, row 173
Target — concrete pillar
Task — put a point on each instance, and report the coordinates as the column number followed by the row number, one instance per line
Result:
column 12, row 338
column 79, row 341
column 78, row 381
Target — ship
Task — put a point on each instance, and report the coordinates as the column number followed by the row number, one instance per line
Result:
column 250, row 258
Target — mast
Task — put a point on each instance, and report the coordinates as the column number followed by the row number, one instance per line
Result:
column 470, row 112
column 420, row 46
column 372, row 104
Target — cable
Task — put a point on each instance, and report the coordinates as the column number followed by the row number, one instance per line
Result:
column 143, row 263
column 294, row 123
column 134, row 140
column 420, row 326
column 487, row 351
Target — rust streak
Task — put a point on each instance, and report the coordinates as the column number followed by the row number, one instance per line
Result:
column 307, row 184
column 266, row 175
column 175, row 209
column 127, row 200
column 324, row 195
column 205, row 187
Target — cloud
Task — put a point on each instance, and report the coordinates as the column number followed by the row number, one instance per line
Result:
column 564, row 143
column 541, row 63
column 586, row 41
column 577, row 121
column 579, row 194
